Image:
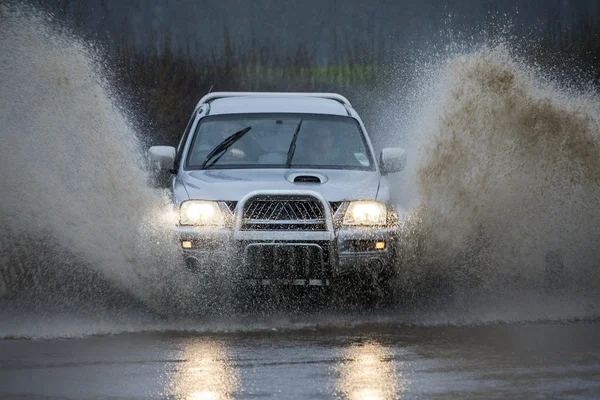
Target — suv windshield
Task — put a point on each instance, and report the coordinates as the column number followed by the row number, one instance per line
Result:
column 311, row 141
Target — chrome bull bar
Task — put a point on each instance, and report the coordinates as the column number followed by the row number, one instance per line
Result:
column 289, row 257
column 283, row 235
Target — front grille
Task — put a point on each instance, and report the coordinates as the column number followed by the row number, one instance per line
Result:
column 286, row 261
column 284, row 209
column 284, row 214
column 335, row 205
column 231, row 205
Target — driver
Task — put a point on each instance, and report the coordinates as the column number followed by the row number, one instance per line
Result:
column 323, row 147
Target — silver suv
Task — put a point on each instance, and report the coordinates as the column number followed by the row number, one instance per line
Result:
column 284, row 187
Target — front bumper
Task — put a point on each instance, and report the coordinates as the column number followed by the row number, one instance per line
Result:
column 349, row 249
column 297, row 257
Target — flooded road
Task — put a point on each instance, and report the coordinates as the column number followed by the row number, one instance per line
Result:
column 496, row 274
column 549, row 360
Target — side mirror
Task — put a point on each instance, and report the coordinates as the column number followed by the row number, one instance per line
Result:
column 162, row 157
column 393, row 159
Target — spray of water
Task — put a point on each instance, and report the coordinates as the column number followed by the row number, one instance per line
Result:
column 505, row 180
column 76, row 209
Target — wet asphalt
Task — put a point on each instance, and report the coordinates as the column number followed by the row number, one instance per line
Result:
column 376, row 361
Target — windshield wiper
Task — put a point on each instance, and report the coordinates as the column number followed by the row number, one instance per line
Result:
column 292, row 149
column 222, row 148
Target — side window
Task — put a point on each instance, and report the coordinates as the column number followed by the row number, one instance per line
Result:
column 184, row 138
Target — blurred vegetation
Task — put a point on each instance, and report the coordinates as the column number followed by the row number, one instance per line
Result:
column 163, row 83
column 166, row 84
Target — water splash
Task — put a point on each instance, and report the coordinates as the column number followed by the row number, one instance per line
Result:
column 505, row 178
column 76, row 208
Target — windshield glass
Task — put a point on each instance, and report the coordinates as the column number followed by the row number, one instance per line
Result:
column 321, row 141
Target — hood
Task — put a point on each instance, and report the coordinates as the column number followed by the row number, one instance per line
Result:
column 233, row 184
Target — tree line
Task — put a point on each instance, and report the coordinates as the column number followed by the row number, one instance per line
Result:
column 162, row 83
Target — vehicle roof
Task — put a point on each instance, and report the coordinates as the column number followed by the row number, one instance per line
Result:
column 277, row 104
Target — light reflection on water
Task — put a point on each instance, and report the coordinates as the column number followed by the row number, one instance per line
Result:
column 368, row 372
column 205, row 373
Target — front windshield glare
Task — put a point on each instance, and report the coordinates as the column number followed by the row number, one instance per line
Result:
column 321, row 142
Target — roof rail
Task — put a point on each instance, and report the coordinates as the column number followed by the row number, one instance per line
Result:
column 221, row 95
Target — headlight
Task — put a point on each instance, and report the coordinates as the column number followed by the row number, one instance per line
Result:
column 365, row 213
column 197, row 212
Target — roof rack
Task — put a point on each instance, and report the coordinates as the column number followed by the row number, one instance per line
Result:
column 221, row 95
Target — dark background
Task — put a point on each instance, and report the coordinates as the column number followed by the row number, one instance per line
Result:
column 163, row 55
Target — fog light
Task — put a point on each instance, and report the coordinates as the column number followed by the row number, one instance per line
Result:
column 380, row 245
column 186, row 244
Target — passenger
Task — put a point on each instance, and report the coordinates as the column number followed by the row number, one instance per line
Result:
column 220, row 132
column 211, row 136
column 223, row 132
